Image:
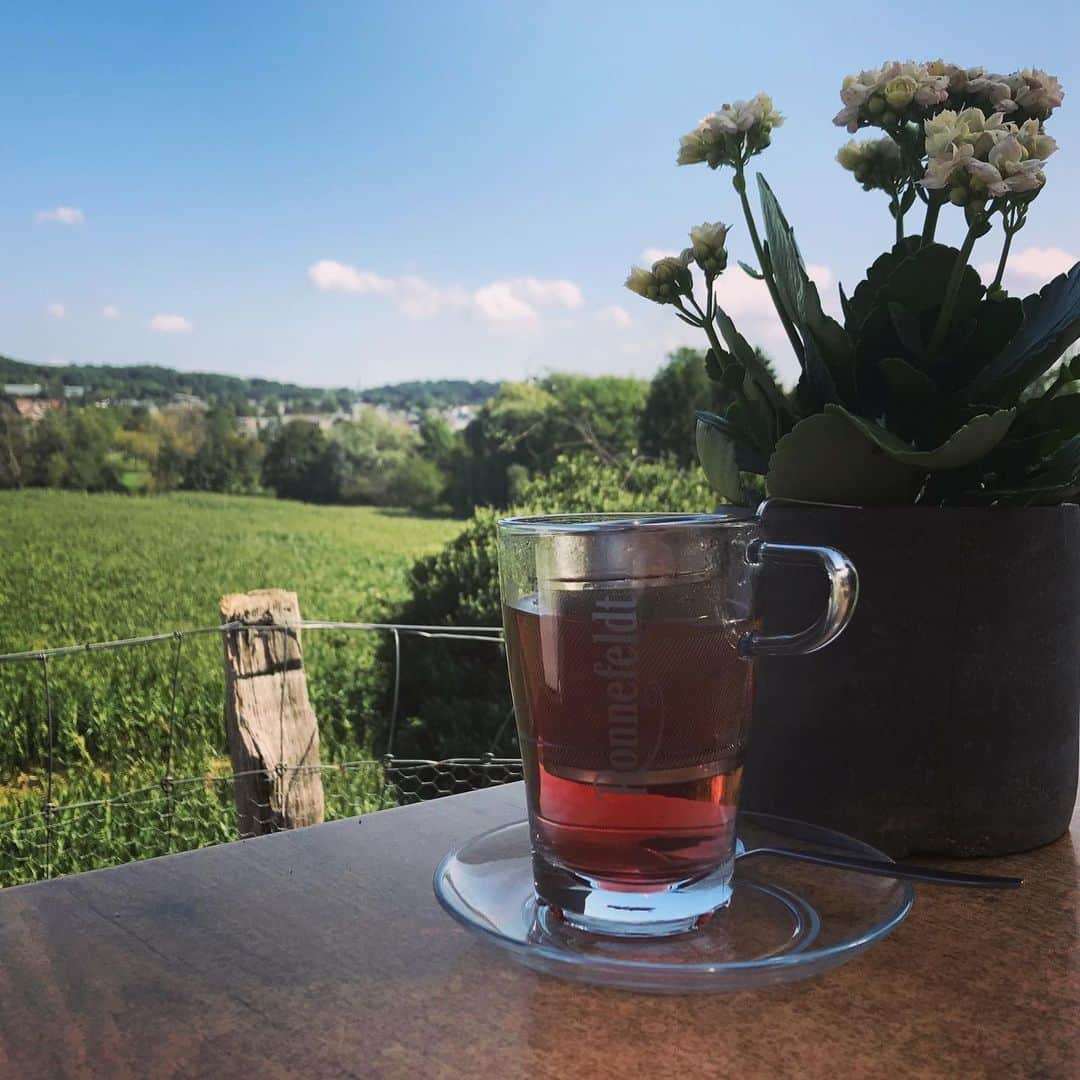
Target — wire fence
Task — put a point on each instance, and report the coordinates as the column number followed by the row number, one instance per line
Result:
column 62, row 819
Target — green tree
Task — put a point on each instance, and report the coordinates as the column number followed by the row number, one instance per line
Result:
column 225, row 460
column 296, row 462
column 679, row 389
column 15, row 445
column 75, row 448
column 530, row 424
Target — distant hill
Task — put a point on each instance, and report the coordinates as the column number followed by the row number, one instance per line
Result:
column 430, row 394
column 144, row 382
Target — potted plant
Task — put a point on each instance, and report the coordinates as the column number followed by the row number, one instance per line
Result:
column 937, row 424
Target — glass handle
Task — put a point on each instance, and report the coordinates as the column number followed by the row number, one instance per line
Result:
column 843, row 592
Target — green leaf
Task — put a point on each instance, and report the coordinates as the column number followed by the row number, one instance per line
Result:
column 716, row 452
column 834, row 345
column 747, row 456
column 715, row 365
column 1051, row 324
column 747, row 268
column 973, row 441
column 845, row 304
column 919, row 282
column 817, row 387
column 825, row 459
column 908, row 329
column 1061, row 412
column 996, row 321
column 830, row 352
column 745, row 354
column 866, row 292
column 903, row 380
column 788, row 269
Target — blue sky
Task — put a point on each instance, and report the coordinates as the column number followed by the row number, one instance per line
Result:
column 358, row 193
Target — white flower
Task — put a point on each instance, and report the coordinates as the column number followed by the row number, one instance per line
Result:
column 1035, row 141
column 1037, row 92
column 982, row 131
column 709, row 235
column 941, row 168
column 1017, row 172
column 942, row 131
column 994, row 90
column 896, row 85
column 720, row 137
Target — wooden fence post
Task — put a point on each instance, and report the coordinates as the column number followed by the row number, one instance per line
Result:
column 272, row 730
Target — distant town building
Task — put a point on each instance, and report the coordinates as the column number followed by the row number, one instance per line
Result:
column 74, row 391
column 459, row 417
column 22, row 390
column 252, row 425
column 35, row 408
column 189, row 401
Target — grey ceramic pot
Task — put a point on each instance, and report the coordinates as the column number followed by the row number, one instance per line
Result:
column 945, row 719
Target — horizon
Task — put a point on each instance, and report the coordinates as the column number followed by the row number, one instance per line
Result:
column 356, row 198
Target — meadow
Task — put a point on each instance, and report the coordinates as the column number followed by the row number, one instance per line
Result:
column 77, row 568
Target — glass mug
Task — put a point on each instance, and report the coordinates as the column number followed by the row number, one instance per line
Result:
column 631, row 641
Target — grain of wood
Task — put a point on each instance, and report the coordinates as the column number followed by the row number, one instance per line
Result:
column 272, row 729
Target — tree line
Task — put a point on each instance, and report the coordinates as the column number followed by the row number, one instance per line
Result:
column 377, row 457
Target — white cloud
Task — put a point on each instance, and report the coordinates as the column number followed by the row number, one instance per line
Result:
column 110, row 311
column 62, row 215
column 615, row 315
column 170, row 324
column 510, row 301
column 650, row 255
column 57, row 311
column 822, row 277
column 1030, row 263
column 516, row 300
column 498, row 303
column 1044, row 263
column 331, row 276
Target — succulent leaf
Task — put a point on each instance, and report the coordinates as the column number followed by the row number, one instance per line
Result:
column 973, row 441
column 747, row 456
column 716, row 452
column 1051, row 324
column 825, row 458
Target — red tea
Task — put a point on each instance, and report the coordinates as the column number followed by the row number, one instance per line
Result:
column 632, row 710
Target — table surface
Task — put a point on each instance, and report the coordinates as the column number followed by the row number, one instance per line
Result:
column 323, row 952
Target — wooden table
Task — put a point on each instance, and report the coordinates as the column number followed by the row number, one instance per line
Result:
column 322, row 952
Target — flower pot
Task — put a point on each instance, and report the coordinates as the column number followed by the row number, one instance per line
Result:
column 945, row 718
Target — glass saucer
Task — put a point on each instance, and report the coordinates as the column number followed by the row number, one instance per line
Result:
column 787, row 919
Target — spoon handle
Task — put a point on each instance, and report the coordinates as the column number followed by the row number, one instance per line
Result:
column 927, row 874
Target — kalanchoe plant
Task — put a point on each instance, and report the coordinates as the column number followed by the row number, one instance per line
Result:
column 938, row 388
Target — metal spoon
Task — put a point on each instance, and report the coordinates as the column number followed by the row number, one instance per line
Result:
column 927, row 874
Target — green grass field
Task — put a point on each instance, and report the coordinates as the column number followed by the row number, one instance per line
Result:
column 77, row 568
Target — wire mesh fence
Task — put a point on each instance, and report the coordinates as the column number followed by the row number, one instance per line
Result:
column 62, row 814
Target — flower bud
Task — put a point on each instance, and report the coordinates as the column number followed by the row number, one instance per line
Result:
column 876, row 105
column 672, row 278
column 849, row 155
column 959, row 196
column 640, row 281
column 707, row 245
